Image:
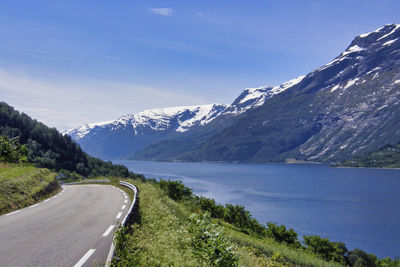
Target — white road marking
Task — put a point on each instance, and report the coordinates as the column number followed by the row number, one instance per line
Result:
column 126, row 197
column 13, row 212
column 85, row 258
column 108, row 231
column 119, row 215
column 46, row 200
column 34, row 205
column 126, row 201
column 123, row 207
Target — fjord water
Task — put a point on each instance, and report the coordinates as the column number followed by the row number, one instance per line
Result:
column 360, row 207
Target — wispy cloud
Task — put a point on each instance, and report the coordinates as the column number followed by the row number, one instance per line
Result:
column 164, row 11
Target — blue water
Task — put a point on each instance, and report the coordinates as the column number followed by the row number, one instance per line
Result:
column 360, row 207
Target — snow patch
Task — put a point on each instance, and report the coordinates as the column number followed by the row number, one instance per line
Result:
column 335, row 88
column 350, row 83
column 390, row 42
column 252, row 93
column 352, row 49
column 390, row 33
column 368, row 33
column 373, row 70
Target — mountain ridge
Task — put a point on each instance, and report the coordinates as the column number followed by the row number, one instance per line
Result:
column 327, row 115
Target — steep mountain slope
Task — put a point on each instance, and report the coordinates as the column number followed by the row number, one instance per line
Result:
column 176, row 147
column 342, row 109
column 124, row 136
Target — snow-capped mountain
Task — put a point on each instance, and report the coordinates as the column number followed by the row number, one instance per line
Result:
column 122, row 137
column 255, row 97
column 347, row 107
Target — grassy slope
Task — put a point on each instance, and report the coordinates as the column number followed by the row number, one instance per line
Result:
column 162, row 238
column 23, row 185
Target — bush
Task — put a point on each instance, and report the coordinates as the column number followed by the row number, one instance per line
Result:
column 327, row 250
column 207, row 204
column 359, row 258
column 175, row 189
column 209, row 242
column 11, row 151
column 280, row 234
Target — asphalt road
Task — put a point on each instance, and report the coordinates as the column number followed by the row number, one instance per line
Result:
column 73, row 228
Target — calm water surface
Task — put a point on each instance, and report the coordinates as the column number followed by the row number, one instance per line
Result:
column 360, row 207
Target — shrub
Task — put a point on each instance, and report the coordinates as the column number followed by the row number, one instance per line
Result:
column 280, row 234
column 11, row 151
column 209, row 242
column 175, row 189
column 327, row 250
column 206, row 204
column 359, row 258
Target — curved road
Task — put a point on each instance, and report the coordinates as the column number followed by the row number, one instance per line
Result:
column 73, row 228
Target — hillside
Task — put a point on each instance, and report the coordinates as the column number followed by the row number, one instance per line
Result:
column 386, row 157
column 345, row 108
column 172, row 227
column 23, row 185
column 47, row 148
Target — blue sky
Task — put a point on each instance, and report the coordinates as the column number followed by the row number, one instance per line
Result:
column 67, row 63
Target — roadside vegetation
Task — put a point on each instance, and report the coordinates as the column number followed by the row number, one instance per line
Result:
column 175, row 228
column 24, row 185
column 21, row 184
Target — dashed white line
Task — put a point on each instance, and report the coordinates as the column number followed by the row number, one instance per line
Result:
column 126, row 201
column 85, row 258
column 33, row 206
column 126, row 197
column 46, row 200
column 119, row 215
column 13, row 212
column 108, row 231
column 123, row 207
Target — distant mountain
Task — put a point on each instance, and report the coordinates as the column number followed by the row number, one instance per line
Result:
column 347, row 107
column 121, row 138
column 47, row 148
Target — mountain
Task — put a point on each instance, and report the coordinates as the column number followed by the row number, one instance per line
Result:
column 345, row 108
column 177, row 147
column 121, row 138
column 47, row 148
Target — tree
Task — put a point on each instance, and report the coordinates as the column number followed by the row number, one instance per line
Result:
column 326, row 249
column 280, row 234
column 11, row 151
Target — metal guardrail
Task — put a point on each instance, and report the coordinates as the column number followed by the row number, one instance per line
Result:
column 88, row 181
column 112, row 247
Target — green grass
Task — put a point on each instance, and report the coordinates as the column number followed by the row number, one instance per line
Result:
column 24, row 185
column 252, row 248
column 162, row 238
